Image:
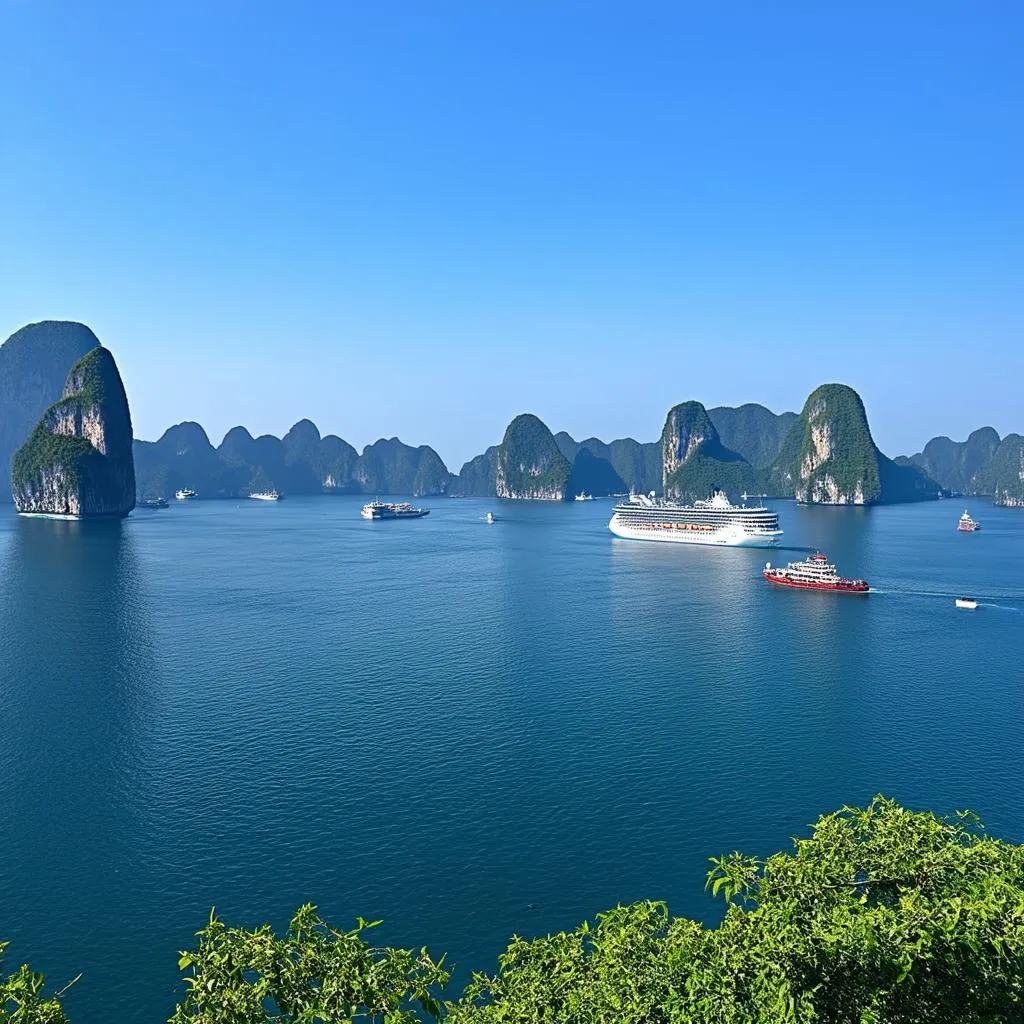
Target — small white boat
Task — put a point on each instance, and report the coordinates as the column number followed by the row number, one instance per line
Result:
column 185, row 494
column 270, row 495
column 583, row 496
column 966, row 602
column 489, row 517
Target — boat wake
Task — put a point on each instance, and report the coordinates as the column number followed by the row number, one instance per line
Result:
column 983, row 602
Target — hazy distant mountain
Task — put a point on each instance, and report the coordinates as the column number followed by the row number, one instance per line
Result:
column 614, row 467
column 829, row 457
column 955, row 464
column 302, row 462
column 34, row 365
column 752, row 430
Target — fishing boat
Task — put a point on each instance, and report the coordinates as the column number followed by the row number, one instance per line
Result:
column 966, row 602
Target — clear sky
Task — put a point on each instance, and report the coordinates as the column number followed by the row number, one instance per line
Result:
column 421, row 218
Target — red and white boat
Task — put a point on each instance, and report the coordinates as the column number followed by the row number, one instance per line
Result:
column 814, row 573
column 967, row 524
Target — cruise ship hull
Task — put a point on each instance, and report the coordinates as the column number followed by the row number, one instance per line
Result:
column 722, row 536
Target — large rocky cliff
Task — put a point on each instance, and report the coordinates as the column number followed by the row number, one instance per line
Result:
column 955, row 464
column 528, row 463
column 34, row 364
column 695, row 463
column 830, row 458
column 78, row 460
column 1002, row 476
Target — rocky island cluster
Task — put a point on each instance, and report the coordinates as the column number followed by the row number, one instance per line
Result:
column 823, row 455
column 301, row 462
column 983, row 464
column 65, row 430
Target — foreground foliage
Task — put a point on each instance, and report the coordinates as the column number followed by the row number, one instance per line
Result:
column 314, row 973
column 22, row 1000
column 881, row 916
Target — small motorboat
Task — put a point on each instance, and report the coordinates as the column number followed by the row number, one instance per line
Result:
column 489, row 517
column 966, row 602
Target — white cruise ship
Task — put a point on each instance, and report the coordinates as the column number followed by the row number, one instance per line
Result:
column 704, row 522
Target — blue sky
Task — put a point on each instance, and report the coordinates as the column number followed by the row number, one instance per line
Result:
column 421, row 218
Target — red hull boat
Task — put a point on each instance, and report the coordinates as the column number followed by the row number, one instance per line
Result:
column 814, row 573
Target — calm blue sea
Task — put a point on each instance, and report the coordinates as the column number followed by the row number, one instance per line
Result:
column 467, row 730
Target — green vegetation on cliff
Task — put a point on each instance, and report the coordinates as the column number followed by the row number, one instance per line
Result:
column 695, row 463
column 955, row 464
column 476, row 478
column 880, row 915
column 34, row 366
column 528, row 463
column 1003, row 475
column 829, row 457
column 78, row 459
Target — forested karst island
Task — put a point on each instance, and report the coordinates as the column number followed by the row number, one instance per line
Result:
column 528, row 463
column 829, row 457
column 78, row 459
column 34, row 365
column 695, row 463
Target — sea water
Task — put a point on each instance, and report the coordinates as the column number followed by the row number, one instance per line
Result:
column 468, row 730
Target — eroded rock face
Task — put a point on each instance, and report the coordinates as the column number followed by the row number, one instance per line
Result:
column 34, row 365
column 687, row 428
column 695, row 463
column 829, row 457
column 78, row 460
column 528, row 463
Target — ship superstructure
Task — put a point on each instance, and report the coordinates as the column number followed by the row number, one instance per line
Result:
column 967, row 524
column 716, row 521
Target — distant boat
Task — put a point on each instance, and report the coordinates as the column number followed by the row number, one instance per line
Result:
column 153, row 503
column 489, row 517
column 967, row 524
column 392, row 510
column 583, row 496
column 270, row 495
column 185, row 494
column 966, row 602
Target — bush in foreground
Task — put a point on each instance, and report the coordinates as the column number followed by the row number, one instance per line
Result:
column 881, row 916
